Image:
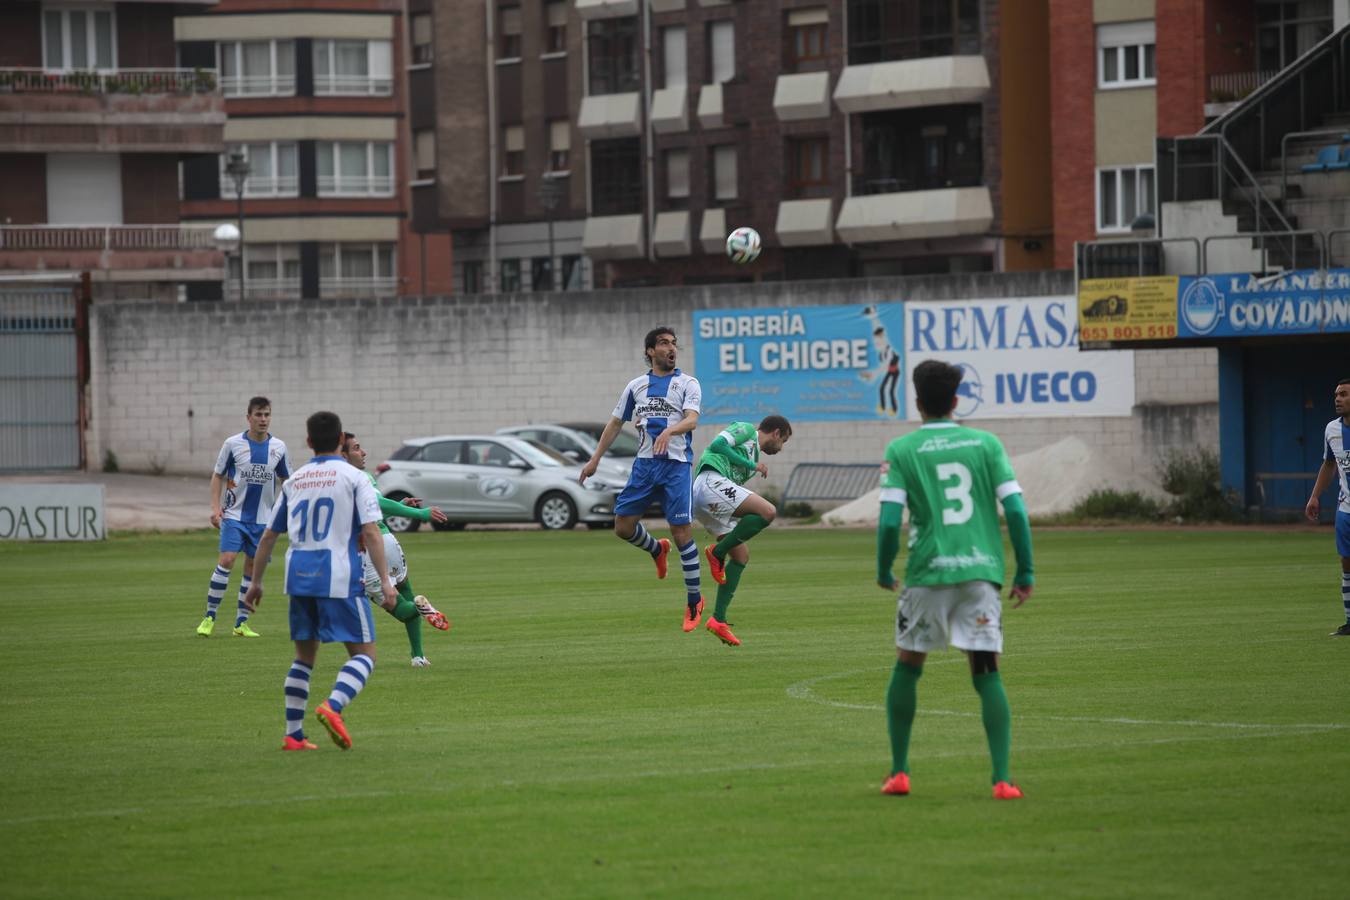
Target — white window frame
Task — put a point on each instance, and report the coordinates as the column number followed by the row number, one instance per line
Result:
column 371, row 84
column 275, row 185
column 417, row 46
column 675, row 56
column 563, row 128
column 381, row 284
column 276, row 85
column 716, row 61
column 281, row 286
column 368, row 185
column 1142, row 203
column 91, row 35
column 677, row 173
column 720, row 176
column 1120, row 40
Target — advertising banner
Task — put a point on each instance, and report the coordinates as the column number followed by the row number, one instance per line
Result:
column 1306, row 301
column 51, row 512
column 1128, row 309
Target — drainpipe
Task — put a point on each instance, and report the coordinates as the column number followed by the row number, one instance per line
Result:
column 649, row 205
column 492, row 144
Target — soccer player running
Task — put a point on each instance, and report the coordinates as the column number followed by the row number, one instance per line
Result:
column 411, row 609
column 1336, row 464
column 664, row 405
column 251, row 468
column 952, row 478
column 731, row 512
column 324, row 508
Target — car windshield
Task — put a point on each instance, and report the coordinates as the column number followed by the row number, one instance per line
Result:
column 625, row 444
column 541, row 455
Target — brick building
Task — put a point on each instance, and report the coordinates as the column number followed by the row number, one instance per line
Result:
column 860, row 138
column 315, row 103
column 95, row 114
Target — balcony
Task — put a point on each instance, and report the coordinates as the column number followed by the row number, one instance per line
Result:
column 909, row 215
column 934, row 81
column 116, row 111
column 263, row 186
column 356, row 287
column 614, row 237
column 606, row 9
column 352, row 85
column 355, row 185
column 610, row 116
column 113, row 252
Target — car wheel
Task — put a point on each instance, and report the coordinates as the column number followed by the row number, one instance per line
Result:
column 400, row 524
column 556, row 511
column 448, row 526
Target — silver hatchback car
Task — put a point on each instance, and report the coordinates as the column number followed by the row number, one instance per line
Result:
column 495, row 478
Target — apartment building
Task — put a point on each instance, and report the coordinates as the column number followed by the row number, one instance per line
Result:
column 616, row 142
column 95, row 115
column 315, row 107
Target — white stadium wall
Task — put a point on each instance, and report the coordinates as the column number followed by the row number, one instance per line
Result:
column 170, row 382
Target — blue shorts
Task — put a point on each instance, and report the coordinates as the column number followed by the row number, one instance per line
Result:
column 332, row 619
column 1343, row 533
column 669, row 479
column 236, row 536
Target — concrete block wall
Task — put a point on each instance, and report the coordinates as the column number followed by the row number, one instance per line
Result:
column 171, row 382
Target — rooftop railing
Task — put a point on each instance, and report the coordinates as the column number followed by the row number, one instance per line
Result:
column 109, row 81
column 107, row 237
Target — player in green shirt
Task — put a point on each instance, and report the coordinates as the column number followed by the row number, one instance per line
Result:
column 952, row 478
column 731, row 512
column 411, row 609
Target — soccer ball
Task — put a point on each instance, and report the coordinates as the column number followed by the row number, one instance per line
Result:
column 743, row 245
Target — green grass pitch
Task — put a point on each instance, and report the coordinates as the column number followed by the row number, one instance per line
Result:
column 1180, row 727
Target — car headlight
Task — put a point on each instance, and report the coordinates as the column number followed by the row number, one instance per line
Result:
column 593, row 484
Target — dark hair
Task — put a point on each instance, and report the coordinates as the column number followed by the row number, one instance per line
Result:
column 347, row 438
column 325, row 431
column 649, row 342
column 1343, row 381
column 258, row 403
column 935, row 384
column 772, row 424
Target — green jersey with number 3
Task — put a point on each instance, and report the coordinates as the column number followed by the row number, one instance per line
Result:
column 952, row 479
column 742, row 437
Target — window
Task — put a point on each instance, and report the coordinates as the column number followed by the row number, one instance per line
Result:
column 1123, row 195
column 472, row 273
column 424, row 151
column 423, row 50
column 79, row 39
column 808, row 162
column 674, row 56
column 555, row 21
column 883, row 30
column 1287, row 30
column 354, row 168
column 357, row 269
column 924, row 148
column 541, row 274
column 808, row 33
column 513, row 150
column 508, row 33
column 1125, row 54
column 443, row 452
column 272, row 170
column 510, row 280
column 257, row 67
column 571, row 273
column 724, row 172
column 353, row 67
column 677, row 174
column 273, row 270
column 721, row 51
column 616, row 177
column 559, row 145
column 613, row 49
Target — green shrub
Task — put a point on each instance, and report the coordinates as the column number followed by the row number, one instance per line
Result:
column 109, row 461
column 1194, row 480
column 1124, row 505
column 799, row 509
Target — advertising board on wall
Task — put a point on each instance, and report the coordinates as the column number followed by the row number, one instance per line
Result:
column 1020, row 358
column 51, row 512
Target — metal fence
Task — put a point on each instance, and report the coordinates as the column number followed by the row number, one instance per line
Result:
column 42, row 372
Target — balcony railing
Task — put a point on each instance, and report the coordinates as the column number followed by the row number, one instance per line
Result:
column 363, row 85
column 263, row 186
column 263, row 288
column 258, row 85
column 356, row 185
column 110, row 81
column 1232, row 86
column 107, row 237
column 865, row 184
column 358, row 287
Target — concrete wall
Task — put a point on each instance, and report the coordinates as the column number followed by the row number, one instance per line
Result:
column 170, row 382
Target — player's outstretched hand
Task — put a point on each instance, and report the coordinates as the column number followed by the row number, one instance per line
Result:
column 437, row 516
column 1021, row 593
column 661, row 443
column 588, row 470
column 215, row 520
column 1313, row 511
column 414, row 502
column 762, row 469
column 390, row 596
column 252, row 597
column 892, row 586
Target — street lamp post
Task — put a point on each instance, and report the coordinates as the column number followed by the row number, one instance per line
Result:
column 237, row 168
column 550, row 195
column 227, row 241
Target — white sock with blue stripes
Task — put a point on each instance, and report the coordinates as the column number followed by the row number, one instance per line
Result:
column 220, row 579
column 689, row 562
column 1345, row 594
column 297, row 695
column 350, row 681
column 643, row 539
column 241, row 611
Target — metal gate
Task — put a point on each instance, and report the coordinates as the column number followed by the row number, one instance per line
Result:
column 43, row 370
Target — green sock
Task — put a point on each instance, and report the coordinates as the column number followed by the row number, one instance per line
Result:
column 901, row 701
column 404, row 610
column 997, row 721
column 414, row 626
column 745, row 529
column 725, row 591
column 405, row 590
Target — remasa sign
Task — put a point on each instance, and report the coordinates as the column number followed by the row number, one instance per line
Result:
column 51, row 512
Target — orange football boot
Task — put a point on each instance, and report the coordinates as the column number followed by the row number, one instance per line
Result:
column 303, row 744
column 715, row 566
column 1006, row 790
column 723, row 631
column 333, row 722
column 897, row 785
column 660, row 557
column 692, row 616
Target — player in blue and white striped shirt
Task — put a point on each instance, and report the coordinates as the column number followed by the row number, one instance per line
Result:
column 664, row 405
column 1336, row 464
column 324, row 508
column 250, row 470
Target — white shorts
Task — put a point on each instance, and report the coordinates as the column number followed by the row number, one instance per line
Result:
column 716, row 499
column 968, row 616
column 398, row 568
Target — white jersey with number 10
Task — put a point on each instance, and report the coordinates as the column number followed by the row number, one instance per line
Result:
column 322, row 508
